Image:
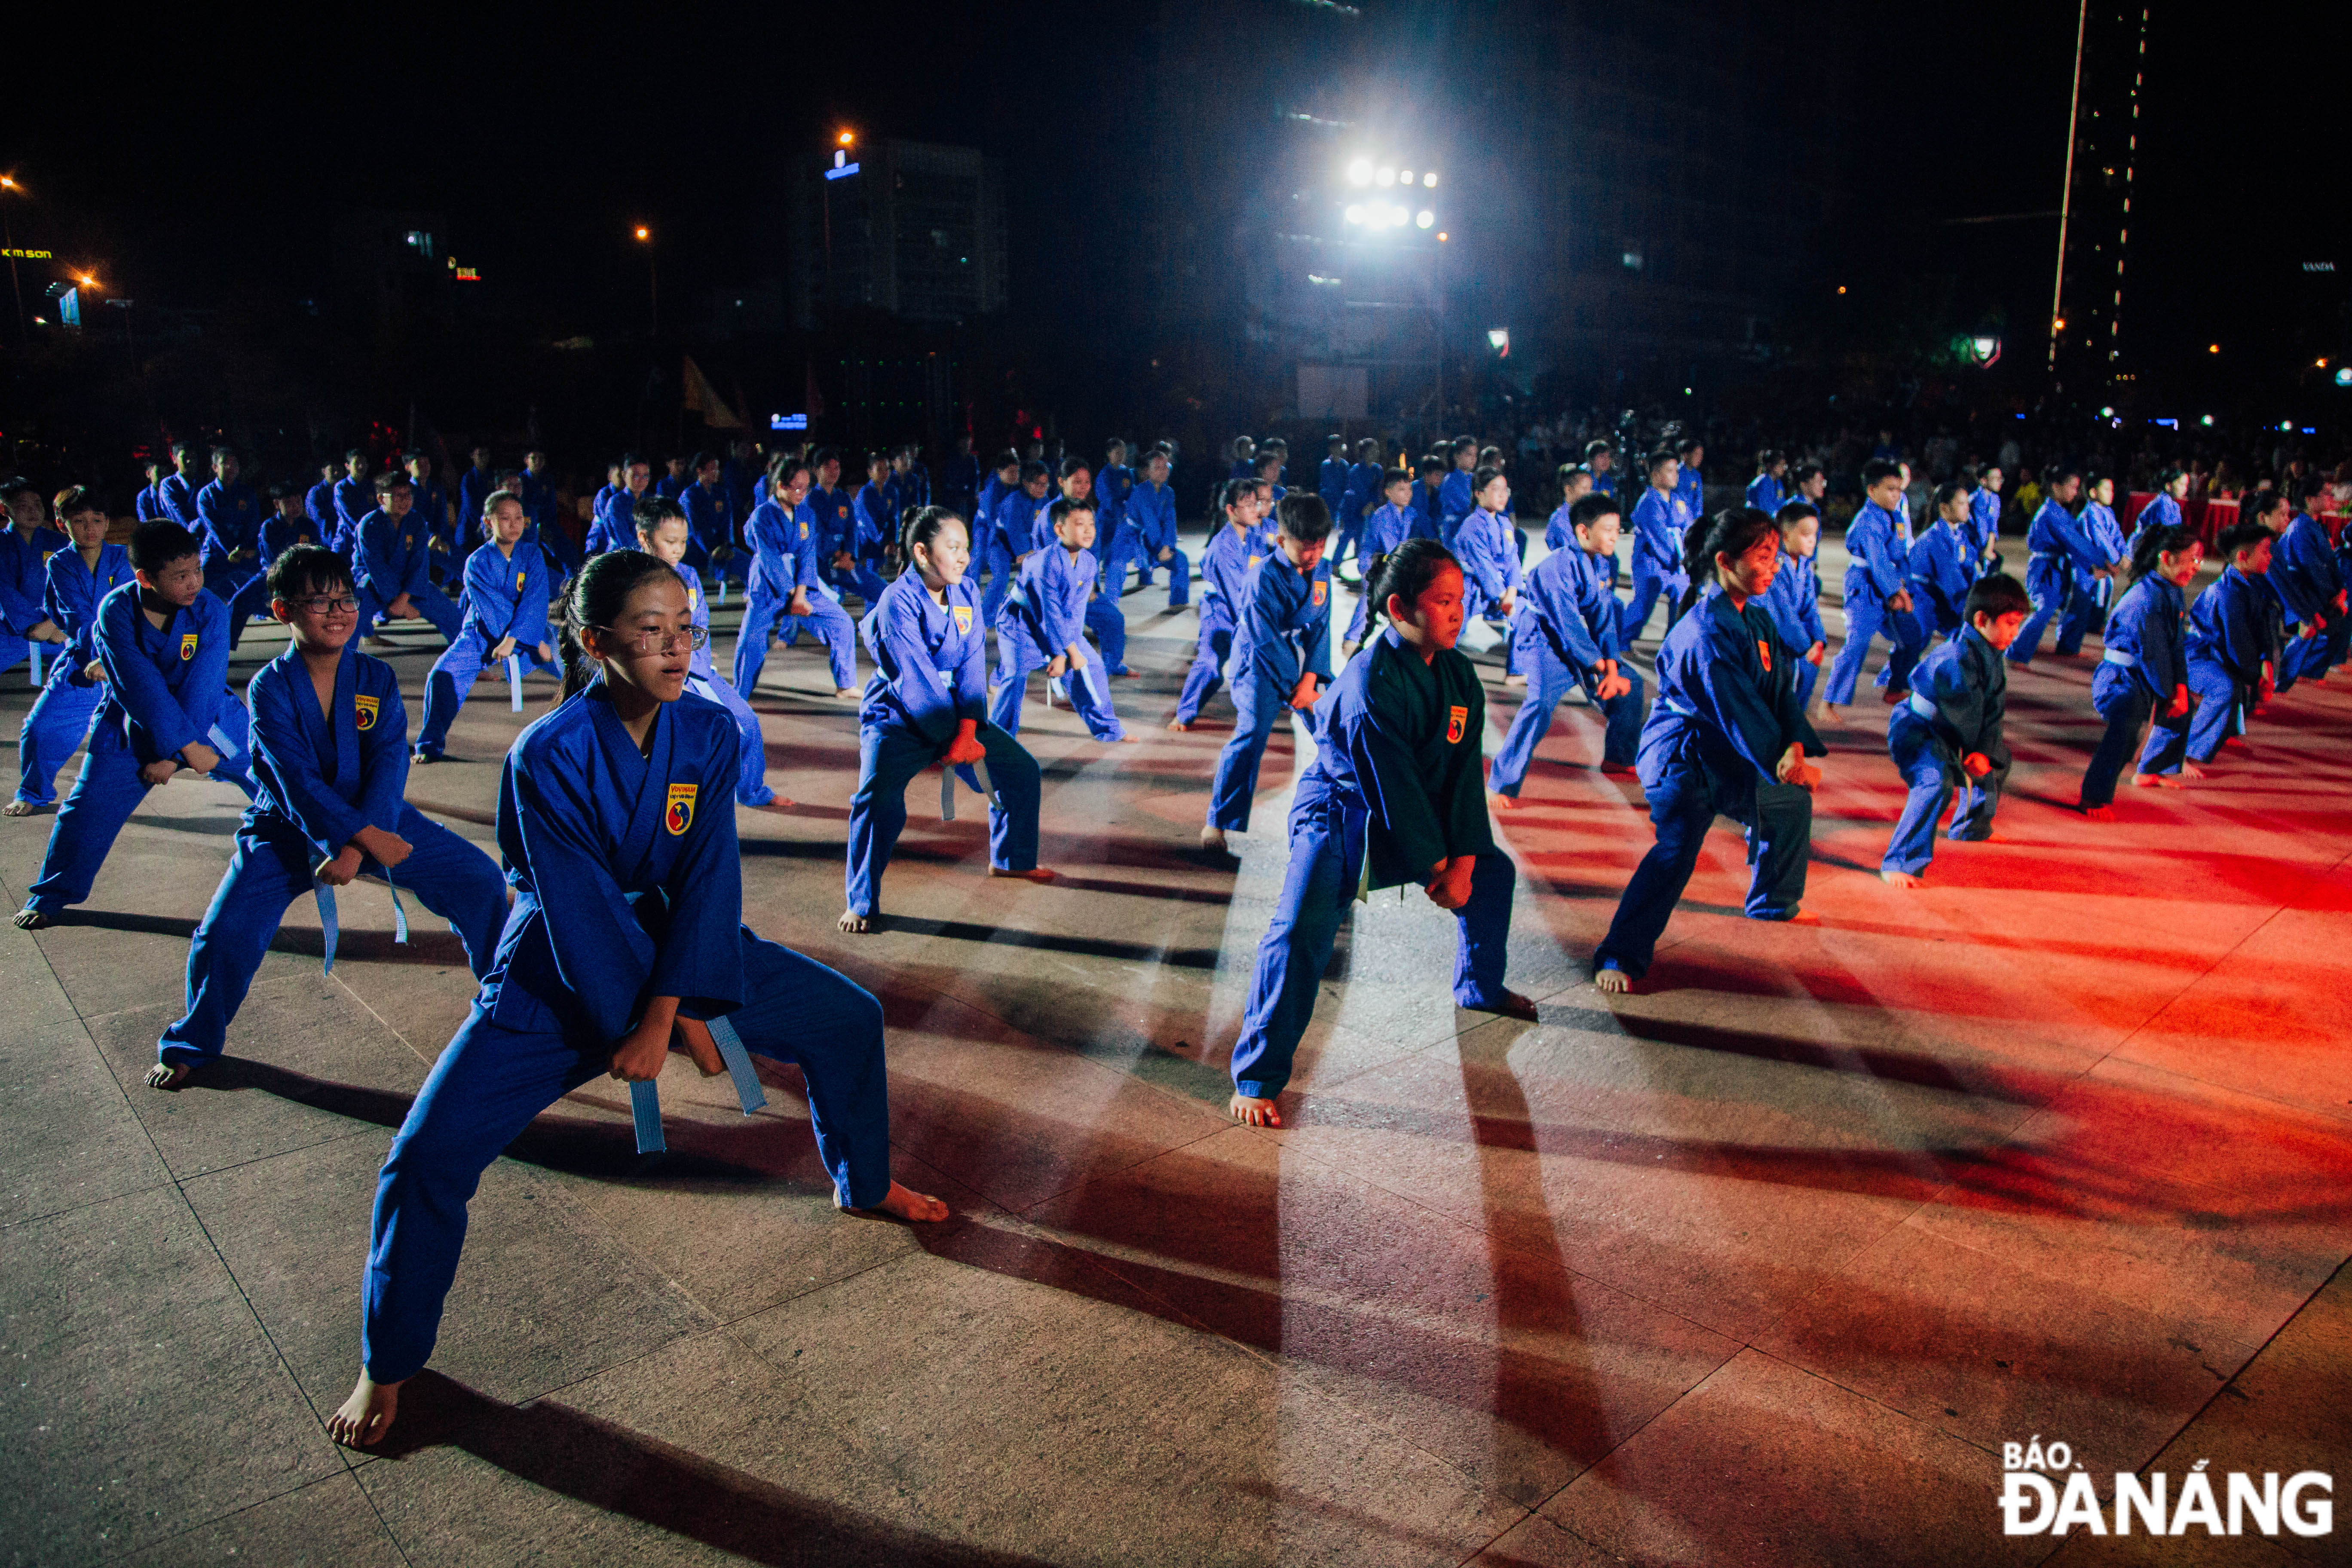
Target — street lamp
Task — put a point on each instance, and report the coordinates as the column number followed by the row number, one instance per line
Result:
column 653, row 277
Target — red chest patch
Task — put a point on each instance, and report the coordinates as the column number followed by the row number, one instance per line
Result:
column 1456, row 719
column 1764, row 652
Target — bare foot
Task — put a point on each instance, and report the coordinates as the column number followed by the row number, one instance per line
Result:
column 2100, row 813
column 1034, row 873
column 21, row 808
column 1212, row 840
column 905, row 1203
column 167, row 1074
column 1255, row 1112
column 1615, row 982
column 1511, row 1005
column 777, row 803
column 1831, row 714
column 2155, row 781
column 1504, row 802
column 1126, row 740
column 30, row 918
column 2191, row 771
column 843, row 693
column 423, row 759
column 1898, row 878
column 1514, row 680
column 855, row 923
column 1181, row 726
column 366, row 1415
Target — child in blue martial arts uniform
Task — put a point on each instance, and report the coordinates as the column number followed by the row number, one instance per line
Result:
column 2230, row 647
column 1331, row 483
column 290, row 526
column 506, row 613
column 1661, row 521
column 391, row 563
column 182, row 485
column 1984, row 519
column 1458, row 492
column 77, row 578
column 1117, row 543
column 1947, row 734
column 330, row 753
column 1043, row 626
column 25, row 546
column 1764, row 492
column 1021, row 516
column 229, row 518
column 1367, row 482
column 2305, row 572
column 1226, row 564
column 163, row 644
column 615, row 524
column 1877, row 598
column 2060, row 552
column 1566, row 632
column 786, row 591
column 1941, row 565
column 355, row 499
column 2144, row 672
column 710, row 522
column 1152, row 515
column 1397, row 521
column 1575, row 484
column 2163, row 509
column 875, row 536
column 662, row 533
column 1102, row 616
column 2098, row 521
column 1794, row 600
column 626, row 932
column 148, row 506
column 926, row 703
column 1484, row 545
column 1725, row 738
column 992, row 550
column 1391, row 799
column 1282, row 648
column 1689, row 484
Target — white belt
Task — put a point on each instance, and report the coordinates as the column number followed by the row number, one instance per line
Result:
column 2118, row 656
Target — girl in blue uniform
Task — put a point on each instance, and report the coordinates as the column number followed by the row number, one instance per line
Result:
column 1794, row 600
column 330, row 753
column 1566, row 636
column 2230, row 648
column 1044, row 625
column 786, row 590
column 1396, row 783
column 1281, row 658
column 662, row 533
column 2145, row 672
column 506, row 615
column 927, row 703
column 76, row 579
column 1486, row 547
column 1226, row 564
column 1725, row 738
column 626, row 933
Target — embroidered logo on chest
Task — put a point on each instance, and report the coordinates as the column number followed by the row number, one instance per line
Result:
column 187, row 646
column 366, row 707
column 679, row 814
column 963, row 618
column 1457, row 719
column 1764, row 652
column 1321, row 589
column 804, row 531
column 518, row 578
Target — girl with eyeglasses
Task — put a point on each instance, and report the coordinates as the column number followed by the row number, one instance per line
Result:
column 663, row 533
column 626, row 935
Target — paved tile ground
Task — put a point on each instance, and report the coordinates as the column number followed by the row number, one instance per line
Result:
column 1762, row 1265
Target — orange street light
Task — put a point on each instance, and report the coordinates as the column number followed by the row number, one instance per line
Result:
column 847, row 138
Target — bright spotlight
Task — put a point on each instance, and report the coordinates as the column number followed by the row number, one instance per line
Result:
column 1359, row 173
column 1355, row 215
column 1388, row 176
column 1400, row 214
column 1424, row 218
column 2107, row 413
column 1429, row 181
column 1404, row 176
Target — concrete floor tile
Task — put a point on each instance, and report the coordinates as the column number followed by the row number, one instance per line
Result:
column 2270, row 1020
column 144, row 1395
column 1537, row 1542
column 71, row 1139
column 1765, row 1464
column 326, row 1524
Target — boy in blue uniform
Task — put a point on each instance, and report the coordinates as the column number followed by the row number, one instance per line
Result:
column 390, row 560
column 1043, row 626
column 230, row 516
column 1151, row 519
column 1397, row 521
column 430, row 501
column 148, row 505
column 1484, row 545
column 1575, row 484
column 1764, row 491
column 1947, row 734
column 1877, row 598
column 2144, row 672
column 1942, row 566
column 162, row 644
column 1115, row 541
column 874, row 529
column 25, row 546
column 1566, row 631
column 506, row 615
column 1456, row 495
column 330, row 755
column 1984, row 518
column 2230, row 644
column 1331, row 482
column 992, row 548
column 615, row 527
column 1600, row 462
column 662, row 534
column 1225, row 565
column 474, row 488
column 2305, row 572
column 181, row 485
column 1281, row 655
column 1103, row 618
column 2163, row 509
column 354, row 500
column 2098, row 520
column 76, row 579
column 1689, row 484
column 1795, row 599
column 1661, row 520
column 710, row 522
column 2059, row 552
column 836, row 524
column 319, row 502
column 785, row 591
column 288, row 525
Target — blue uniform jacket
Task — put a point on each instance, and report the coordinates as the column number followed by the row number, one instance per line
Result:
column 1390, row 527
column 1363, row 492
column 319, row 778
column 24, row 573
column 1051, row 608
column 1794, row 602
column 1660, row 520
column 354, row 501
column 1488, row 551
column 2303, row 570
column 984, row 510
column 1984, row 519
column 628, row 884
column 508, row 596
column 1225, row 571
column 1879, row 544
column 1284, row 626
column 777, row 538
column 431, row 503
column 1727, row 697
column 876, row 521
column 1568, row 602
column 1111, row 488
column 1941, row 569
column 836, row 523
column 615, row 525
column 390, row 560
column 1151, row 509
column 1021, row 516
column 72, row 592
column 1331, row 482
column 232, row 522
column 179, row 497
column 2100, row 523
column 164, row 686
column 280, row 533
column 2057, row 536
column 1964, row 683
column 319, row 505
column 709, row 518
column 1691, row 487
column 475, row 488
column 1454, row 499
column 930, row 660
column 2229, row 625
column 148, row 505
column 2143, row 635
column 2161, row 512
column 1764, row 494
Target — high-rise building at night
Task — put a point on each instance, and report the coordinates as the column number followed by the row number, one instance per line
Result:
column 911, row 228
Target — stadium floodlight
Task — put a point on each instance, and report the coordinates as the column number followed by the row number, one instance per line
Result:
column 1359, row 173
column 1355, row 215
column 1388, row 175
column 1424, row 218
column 1404, row 176
column 1429, row 181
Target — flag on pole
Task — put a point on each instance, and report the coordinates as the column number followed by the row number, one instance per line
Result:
column 704, row 399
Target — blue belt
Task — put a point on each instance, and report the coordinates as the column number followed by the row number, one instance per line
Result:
column 1921, row 706
column 986, row 787
column 1679, row 709
column 331, row 928
column 644, row 1098
column 2118, row 656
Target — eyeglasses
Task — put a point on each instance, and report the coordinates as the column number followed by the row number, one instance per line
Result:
column 652, row 642
column 325, row 607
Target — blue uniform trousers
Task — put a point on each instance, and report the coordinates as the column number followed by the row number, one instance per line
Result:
column 1327, row 858
column 1179, row 574
column 2221, row 708
column 104, row 794
column 245, row 588
column 764, row 615
column 1865, row 619
column 861, row 580
column 1108, row 623
column 997, row 561
column 1017, row 657
column 889, row 758
column 1549, row 684
column 1259, row 704
column 14, row 650
column 1933, row 775
column 451, row 680
column 1208, row 671
column 752, row 761
column 431, row 603
column 57, row 722
column 2309, row 659
column 1809, row 674
column 1683, row 804
column 491, row 1081
column 2050, row 583
column 1648, row 586
column 449, row 877
column 2126, row 706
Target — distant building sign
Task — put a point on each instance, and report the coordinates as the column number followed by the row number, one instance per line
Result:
column 13, row 255
column 787, row 421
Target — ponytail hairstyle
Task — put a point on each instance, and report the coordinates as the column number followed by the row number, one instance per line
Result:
column 599, row 592
column 1406, row 572
column 1734, row 532
column 922, row 525
column 2156, row 541
column 780, row 470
